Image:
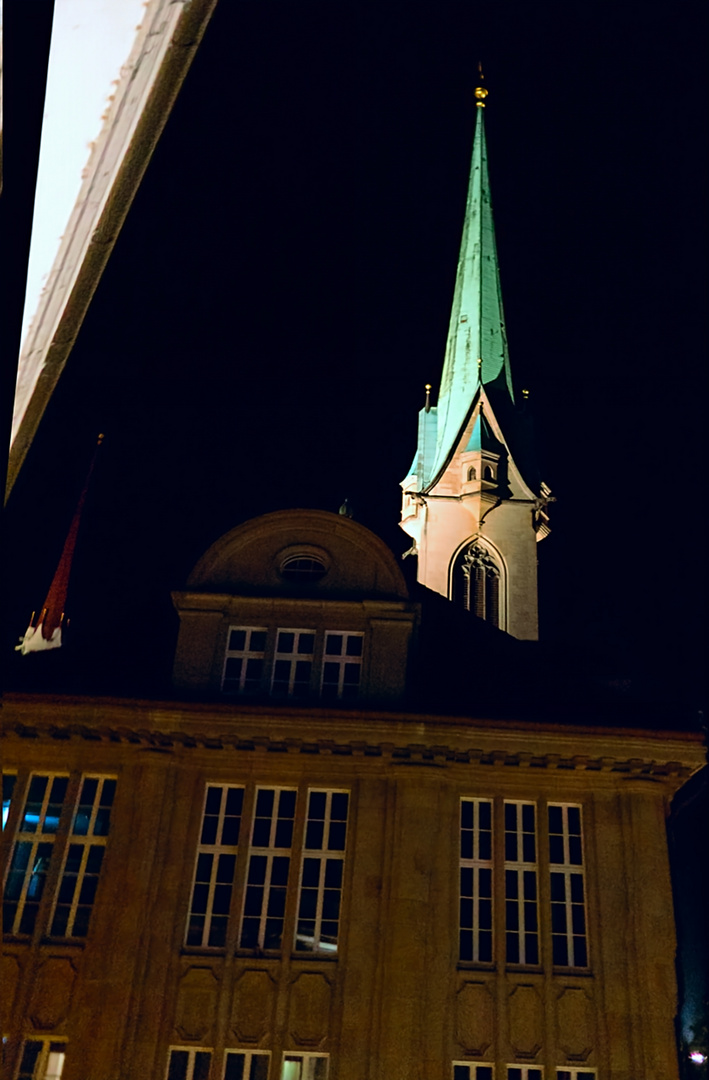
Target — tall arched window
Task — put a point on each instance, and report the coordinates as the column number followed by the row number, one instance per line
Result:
column 477, row 584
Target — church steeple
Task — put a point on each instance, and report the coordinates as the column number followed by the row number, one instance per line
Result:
column 476, row 351
column 471, row 511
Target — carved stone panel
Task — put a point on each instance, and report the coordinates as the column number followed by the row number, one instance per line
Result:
column 574, row 1022
column 252, row 1006
column 474, row 1018
column 309, row 1009
column 9, row 978
column 526, row 1020
column 51, row 997
column 196, row 1003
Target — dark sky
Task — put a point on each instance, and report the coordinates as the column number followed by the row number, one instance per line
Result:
column 281, row 290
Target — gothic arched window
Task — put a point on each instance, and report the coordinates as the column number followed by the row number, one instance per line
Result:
column 471, row 473
column 477, row 583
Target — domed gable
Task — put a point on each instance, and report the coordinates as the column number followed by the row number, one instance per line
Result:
column 300, row 552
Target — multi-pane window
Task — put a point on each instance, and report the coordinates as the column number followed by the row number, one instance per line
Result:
column 246, row 1065
column 475, row 941
column 321, row 873
column 188, row 1063
column 472, row 1070
column 269, row 866
column 215, row 866
column 36, row 834
column 42, row 1059
column 304, row 1067
column 243, row 665
column 342, row 664
column 83, row 857
column 293, row 663
column 568, row 916
column 576, row 1074
column 522, row 933
column 524, row 1072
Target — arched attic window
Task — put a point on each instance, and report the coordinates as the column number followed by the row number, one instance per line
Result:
column 472, row 475
column 303, row 569
column 477, row 583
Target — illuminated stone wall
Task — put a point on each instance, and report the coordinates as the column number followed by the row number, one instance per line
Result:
column 394, row 1000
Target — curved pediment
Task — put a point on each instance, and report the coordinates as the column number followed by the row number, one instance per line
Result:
column 300, row 552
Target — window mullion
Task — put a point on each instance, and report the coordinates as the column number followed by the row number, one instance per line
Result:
column 568, row 903
column 292, row 912
column 211, row 892
column 9, row 833
column 77, row 889
column 27, row 879
column 95, row 808
column 241, row 872
column 520, row 916
column 499, row 911
column 322, row 860
column 544, row 886
column 320, row 900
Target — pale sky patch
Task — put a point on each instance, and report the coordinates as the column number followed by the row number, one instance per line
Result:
column 91, row 40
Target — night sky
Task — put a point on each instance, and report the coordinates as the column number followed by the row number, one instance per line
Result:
column 281, row 291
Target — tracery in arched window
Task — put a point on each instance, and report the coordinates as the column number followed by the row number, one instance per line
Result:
column 477, row 583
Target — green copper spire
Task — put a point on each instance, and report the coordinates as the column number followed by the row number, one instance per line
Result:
column 477, row 346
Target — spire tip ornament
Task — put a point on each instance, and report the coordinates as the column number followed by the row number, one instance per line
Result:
column 480, row 91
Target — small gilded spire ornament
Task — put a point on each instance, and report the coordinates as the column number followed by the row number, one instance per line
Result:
column 480, row 91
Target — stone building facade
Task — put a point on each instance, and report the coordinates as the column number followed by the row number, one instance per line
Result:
column 291, row 872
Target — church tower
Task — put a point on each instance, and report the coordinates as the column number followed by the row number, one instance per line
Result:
column 472, row 501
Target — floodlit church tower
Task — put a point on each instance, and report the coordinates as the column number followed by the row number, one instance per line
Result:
column 471, row 501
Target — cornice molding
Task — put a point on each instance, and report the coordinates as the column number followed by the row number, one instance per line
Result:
column 438, row 742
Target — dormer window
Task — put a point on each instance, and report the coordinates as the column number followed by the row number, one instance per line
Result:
column 293, row 663
column 243, row 666
column 303, row 569
column 342, row 664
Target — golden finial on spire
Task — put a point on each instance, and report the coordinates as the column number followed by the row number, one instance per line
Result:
column 427, row 406
column 480, row 91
